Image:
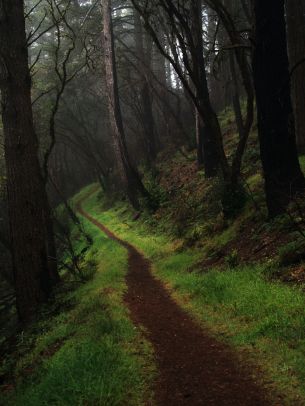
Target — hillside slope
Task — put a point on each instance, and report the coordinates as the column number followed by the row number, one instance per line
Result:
column 240, row 279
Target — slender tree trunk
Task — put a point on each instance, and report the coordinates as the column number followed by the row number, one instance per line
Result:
column 236, row 97
column 206, row 143
column 295, row 12
column 283, row 176
column 130, row 179
column 199, row 140
column 144, row 56
column 161, row 69
column 213, row 83
column 26, row 193
column 228, row 12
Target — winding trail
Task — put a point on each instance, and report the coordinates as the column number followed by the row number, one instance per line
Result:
column 194, row 369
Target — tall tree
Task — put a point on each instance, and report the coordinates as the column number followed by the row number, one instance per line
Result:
column 144, row 53
column 295, row 17
column 184, row 54
column 26, row 193
column 206, row 148
column 129, row 177
column 283, row 176
column 183, row 23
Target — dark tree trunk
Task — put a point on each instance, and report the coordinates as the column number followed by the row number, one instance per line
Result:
column 26, row 193
column 214, row 82
column 199, row 140
column 129, row 177
column 236, row 97
column 283, row 176
column 144, row 55
column 206, row 139
column 161, row 69
column 149, row 122
column 295, row 11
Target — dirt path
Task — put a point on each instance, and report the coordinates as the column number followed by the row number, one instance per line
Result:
column 194, row 369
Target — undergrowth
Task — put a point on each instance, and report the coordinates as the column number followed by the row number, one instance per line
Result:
column 85, row 350
column 87, row 353
column 263, row 319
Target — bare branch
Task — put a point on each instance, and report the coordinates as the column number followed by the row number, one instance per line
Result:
column 33, row 9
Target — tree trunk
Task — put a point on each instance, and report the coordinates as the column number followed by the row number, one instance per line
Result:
column 236, row 97
column 26, row 193
column 204, row 135
column 161, row 69
column 144, row 56
column 199, row 140
column 283, row 176
column 295, row 12
column 129, row 177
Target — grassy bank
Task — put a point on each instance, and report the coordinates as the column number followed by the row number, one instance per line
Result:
column 88, row 352
column 263, row 319
column 85, row 350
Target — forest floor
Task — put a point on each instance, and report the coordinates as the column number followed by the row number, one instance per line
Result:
column 158, row 326
column 177, row 307
column 243, row 305
column 193, row 368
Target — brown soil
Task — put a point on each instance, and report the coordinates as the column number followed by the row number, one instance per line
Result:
column 260, row 249
column 193, row 368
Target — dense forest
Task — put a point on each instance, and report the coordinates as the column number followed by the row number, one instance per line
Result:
column 152, row 202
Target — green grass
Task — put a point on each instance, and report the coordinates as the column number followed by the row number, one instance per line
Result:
column 90, row 353
column 264, row 320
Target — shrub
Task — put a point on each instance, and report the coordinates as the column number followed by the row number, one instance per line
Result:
column 195, row 234
column 158, row 196
column 291, row 253
column 232, row 259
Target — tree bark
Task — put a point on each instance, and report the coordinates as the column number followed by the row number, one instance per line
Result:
column 236, row 96
column 282, row 173
column 144, row 56
column 129, row 177
column 206, row 140
column 26, row 193
column 295, row 17
column 199, row 128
